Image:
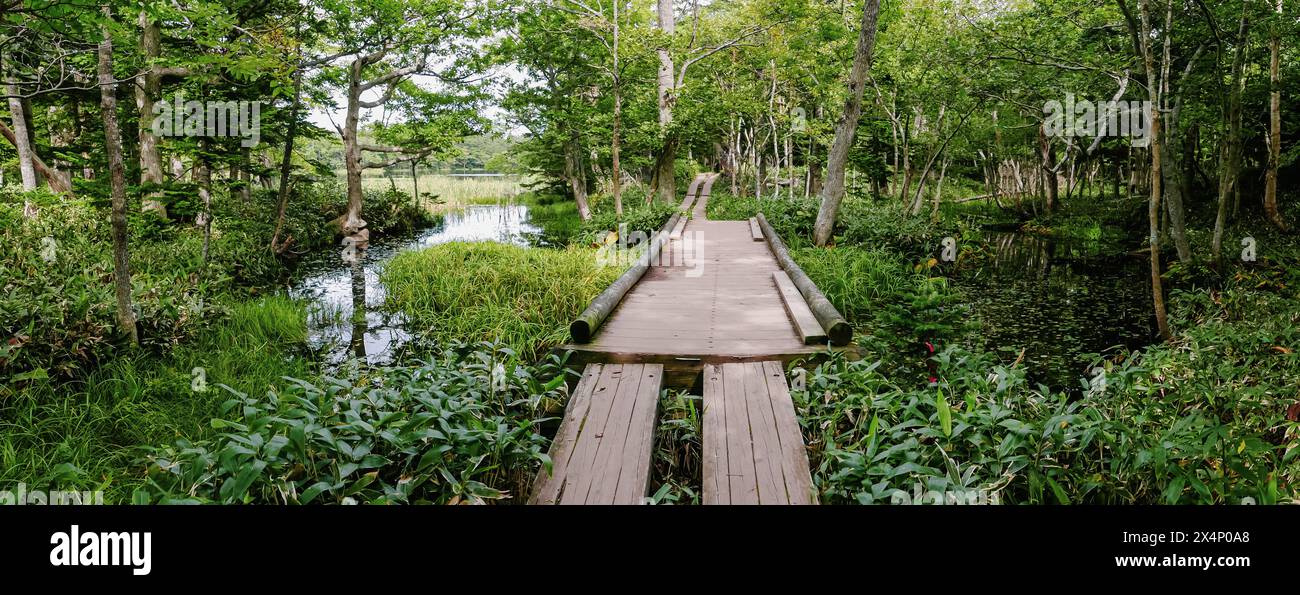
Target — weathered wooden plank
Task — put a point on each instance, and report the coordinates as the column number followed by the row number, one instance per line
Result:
column 602, row 451
column 694, row 189
column 754, row 452
column 741, row 473
column 716, row 486
column 578, row 483
column 755, row 232
column 547, row 486
column 612, row 440
column 805, row 323
column 767, row 447
column 677, row 230
column 794, row 455
column 634, row 475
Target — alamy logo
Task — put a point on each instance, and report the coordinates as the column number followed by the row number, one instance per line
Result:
column 209, row 118
column 24, row 496
column 629, row 248
column 1101, row 118
column 102, row 548
column 921, row 495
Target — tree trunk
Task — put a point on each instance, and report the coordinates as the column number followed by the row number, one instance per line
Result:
column 352, row 222
column 938, row 190
column 147, row 91
column 415, row 183
column 245, row 175
column 1153, row 206
column 22, row 134
column 1174, row 185
column 1231, row 156
column 117, row 176
column 833, row 193
column 666, row 163
column 1274, row 125
column 203, row 177
column 1050, row 187
column 286, row 164
column 616, row 173
column 577, row 185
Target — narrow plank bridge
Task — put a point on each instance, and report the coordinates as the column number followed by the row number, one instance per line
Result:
column 716, row 306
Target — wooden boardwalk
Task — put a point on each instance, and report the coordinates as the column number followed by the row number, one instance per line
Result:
column 718, row 311
column 711, row 298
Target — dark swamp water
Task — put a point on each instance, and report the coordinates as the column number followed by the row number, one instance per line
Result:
column 1059, row 301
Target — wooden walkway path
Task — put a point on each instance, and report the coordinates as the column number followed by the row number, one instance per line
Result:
column 716, row 311
column 711, row 298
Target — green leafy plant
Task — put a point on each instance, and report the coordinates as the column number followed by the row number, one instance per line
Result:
column 460, row 427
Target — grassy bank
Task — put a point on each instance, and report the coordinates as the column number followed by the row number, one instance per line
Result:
column 89, row 433
column 521, row 297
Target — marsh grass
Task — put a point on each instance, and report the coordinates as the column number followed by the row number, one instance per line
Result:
column 485, row 291
column 441, row 192
column 87, row 434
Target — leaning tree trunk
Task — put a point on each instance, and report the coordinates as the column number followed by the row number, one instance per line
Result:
column 847, row 128
column 286, row 164
column 22, row 134
column 117, row 176
column 938, row 190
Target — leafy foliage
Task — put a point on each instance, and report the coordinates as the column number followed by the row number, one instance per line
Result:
column 462, row 426
column 982, row 430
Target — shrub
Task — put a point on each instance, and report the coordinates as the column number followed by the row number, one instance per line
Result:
column 983, row 430
column 460, row 427
column 392, row 211
column 637, row 216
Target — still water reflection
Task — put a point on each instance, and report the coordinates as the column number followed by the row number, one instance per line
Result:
column 347, row 321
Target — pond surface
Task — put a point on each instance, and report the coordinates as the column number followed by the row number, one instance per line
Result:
column 1059, row 301
column 347, row 320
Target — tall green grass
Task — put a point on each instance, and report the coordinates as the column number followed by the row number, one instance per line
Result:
column 485, row 291
column 87, row 434
column 858, row 281
column 450, row 192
